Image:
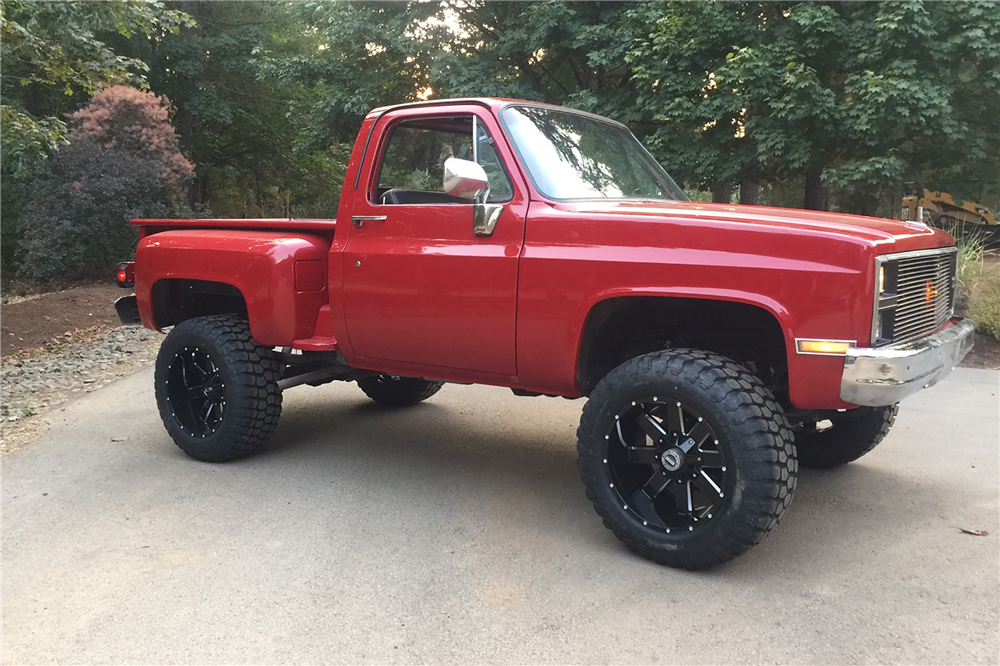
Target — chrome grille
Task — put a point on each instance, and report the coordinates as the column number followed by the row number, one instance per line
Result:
column 919, row 295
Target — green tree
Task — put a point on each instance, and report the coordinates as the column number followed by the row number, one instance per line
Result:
column 858, row 96
column 122, row 161
column 570, row 53
column 269, row 96
column 700, row 116
column 55, row 52
column 53, row 56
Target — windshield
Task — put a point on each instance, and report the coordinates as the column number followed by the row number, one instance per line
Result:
column 573, row 156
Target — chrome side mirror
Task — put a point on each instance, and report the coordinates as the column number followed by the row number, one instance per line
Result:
column 464, row 179
column 467, row 180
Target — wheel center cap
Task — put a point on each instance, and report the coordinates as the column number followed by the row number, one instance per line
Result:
column 672, row 459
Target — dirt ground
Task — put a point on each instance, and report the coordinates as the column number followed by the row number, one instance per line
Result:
column 30, row 322
column 986, row 353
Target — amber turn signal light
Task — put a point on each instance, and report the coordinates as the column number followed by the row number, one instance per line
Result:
column 824, row 346
column 930, row 291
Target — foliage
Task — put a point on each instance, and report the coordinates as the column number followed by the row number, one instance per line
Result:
column 138, row 123
column 806, row 103
column 359, row 55
column 27, row 141
column 77, row 218
column 570, row 53
column 250, row 110
column 969, row 266
column 123, row 161
column 838, row 91
column 984, row 306
column 54, row 55
column 56, row 50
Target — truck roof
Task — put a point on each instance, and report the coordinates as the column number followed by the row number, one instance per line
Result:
column 489, row 102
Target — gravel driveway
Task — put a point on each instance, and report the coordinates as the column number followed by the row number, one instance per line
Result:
column 74, row 364
column 457, row 532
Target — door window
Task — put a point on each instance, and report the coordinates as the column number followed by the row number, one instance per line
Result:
column 412, row 168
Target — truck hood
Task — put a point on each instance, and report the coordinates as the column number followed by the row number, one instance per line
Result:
column 886, row 235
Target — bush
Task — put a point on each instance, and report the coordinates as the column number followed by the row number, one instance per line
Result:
column 77, row 218
column 984, row 307
column 123, row 161
column 136, row 122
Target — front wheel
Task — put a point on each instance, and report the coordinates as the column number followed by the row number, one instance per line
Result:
column 687, row 457
column 216, row 388
column 849, row 436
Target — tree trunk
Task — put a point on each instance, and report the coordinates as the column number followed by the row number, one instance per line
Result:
column 816, row 195
column 203, row 190
column 749, row 193
column 193, row 193
column 722, row 193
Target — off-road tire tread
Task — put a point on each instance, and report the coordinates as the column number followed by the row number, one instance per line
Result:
column 852, row 436
column 253, row 404
column 404, row 392
column 759, row 423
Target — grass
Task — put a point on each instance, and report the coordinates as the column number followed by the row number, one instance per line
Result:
column 970, row 263
column 984, row 306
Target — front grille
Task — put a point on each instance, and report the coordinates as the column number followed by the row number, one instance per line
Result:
column 919, row 295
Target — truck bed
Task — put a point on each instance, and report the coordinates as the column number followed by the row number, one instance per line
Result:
column 277, row 224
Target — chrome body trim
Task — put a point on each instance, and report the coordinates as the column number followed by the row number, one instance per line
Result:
column 879, row 376
column 880, row 261
column 484, row 218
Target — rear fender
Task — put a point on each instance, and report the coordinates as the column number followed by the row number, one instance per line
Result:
column 281, row 276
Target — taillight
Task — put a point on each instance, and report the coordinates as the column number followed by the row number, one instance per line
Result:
column 126, row 274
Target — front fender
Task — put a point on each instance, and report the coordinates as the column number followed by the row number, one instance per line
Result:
column 813, row 380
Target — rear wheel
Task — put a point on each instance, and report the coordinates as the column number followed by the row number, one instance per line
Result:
column 849, row 436
column 687, row 457
column 216, row 388
column 394, row 391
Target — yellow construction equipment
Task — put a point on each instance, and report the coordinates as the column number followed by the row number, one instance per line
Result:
column 942, row 210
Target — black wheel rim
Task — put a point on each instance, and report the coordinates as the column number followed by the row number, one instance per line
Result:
column 196, row 392
column 666, row 465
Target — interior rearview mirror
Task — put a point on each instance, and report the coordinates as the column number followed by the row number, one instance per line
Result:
column 464, row 179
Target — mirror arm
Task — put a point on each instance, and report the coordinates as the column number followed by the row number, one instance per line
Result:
column 485, row 217
column 484, row 196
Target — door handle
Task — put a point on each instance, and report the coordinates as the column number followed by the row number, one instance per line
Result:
column 359, row 220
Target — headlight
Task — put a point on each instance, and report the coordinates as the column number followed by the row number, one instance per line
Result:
column 885, row 301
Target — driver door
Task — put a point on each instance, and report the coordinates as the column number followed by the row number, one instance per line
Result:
column 421, row 289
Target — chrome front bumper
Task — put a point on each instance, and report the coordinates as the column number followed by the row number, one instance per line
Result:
column 874, row 377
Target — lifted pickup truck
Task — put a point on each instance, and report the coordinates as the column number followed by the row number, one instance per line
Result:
column 543, row 249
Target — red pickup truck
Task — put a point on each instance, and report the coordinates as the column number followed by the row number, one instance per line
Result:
column 543, row 249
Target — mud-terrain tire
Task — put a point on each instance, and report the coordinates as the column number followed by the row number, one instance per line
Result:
column 213, row 366
column 393, row 391
column 853, row 434
column 743, row 468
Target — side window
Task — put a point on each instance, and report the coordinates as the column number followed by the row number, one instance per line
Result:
column 500, row 188
column 412, row 168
